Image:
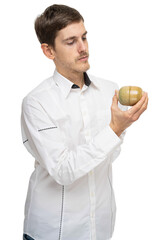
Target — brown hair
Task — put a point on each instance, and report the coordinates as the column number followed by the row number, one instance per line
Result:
column 52, row 20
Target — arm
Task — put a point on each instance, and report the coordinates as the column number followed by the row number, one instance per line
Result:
column 50, row 150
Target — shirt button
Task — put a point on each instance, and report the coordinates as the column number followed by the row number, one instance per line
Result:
column 84, row 111
column 92, row 194
column 92, row 215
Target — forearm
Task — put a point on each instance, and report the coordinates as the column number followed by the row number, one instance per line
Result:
column 64, row 164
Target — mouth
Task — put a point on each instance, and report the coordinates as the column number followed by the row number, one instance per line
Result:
column 84, row 58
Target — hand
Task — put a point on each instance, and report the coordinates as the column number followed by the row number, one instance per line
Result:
column 120, row 120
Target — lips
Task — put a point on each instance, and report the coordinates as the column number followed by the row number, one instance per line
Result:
column 83, row 57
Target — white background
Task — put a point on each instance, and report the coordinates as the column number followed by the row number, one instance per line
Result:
column 124, row 41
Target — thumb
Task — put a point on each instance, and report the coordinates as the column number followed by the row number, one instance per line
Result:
column 114, row 105
column 115, row 98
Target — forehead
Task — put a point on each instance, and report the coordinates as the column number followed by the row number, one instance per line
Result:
column 73, row 29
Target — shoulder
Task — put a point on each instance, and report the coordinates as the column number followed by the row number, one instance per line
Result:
column 107, row 88
column 39, row 92
column 103, row 84
column 41, row 88
column 44, row 86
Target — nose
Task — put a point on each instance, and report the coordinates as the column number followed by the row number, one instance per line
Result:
column 81, row 46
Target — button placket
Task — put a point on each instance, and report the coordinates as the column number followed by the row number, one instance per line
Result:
column 91, row 181
column 92, row 203
column 85, row 116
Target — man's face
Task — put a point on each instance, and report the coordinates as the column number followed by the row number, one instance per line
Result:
column 71, row 49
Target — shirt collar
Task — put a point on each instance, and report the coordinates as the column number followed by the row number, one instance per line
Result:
column 66, row 85
column 87, row 81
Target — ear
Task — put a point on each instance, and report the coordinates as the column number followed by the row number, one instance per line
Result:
column 48, row 51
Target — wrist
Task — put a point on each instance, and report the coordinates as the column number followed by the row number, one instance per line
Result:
column 115, row 129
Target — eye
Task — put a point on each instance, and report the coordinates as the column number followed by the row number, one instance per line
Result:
column 84, row 38
column 70, row 43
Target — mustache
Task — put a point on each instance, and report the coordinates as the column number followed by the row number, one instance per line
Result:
column 85, row 54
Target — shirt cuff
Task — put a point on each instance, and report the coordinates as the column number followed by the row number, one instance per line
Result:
column 107, row 140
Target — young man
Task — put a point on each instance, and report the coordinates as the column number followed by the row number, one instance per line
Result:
column 73, row 127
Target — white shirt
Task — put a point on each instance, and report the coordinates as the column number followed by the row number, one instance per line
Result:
column 70, row 194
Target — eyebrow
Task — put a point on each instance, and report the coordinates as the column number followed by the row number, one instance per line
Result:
column 73, row 37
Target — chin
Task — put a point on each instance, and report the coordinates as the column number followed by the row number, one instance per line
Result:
column 81, row 68
column 85, row 67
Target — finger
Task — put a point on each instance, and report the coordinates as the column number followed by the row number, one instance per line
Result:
column 116, row 93
column 138, row 105
column 115, row 101
column 142, row 109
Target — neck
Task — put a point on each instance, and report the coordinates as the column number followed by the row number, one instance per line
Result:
column 75, row 77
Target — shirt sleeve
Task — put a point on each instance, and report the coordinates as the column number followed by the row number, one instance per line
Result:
column 117, row 151
column 48, row 147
